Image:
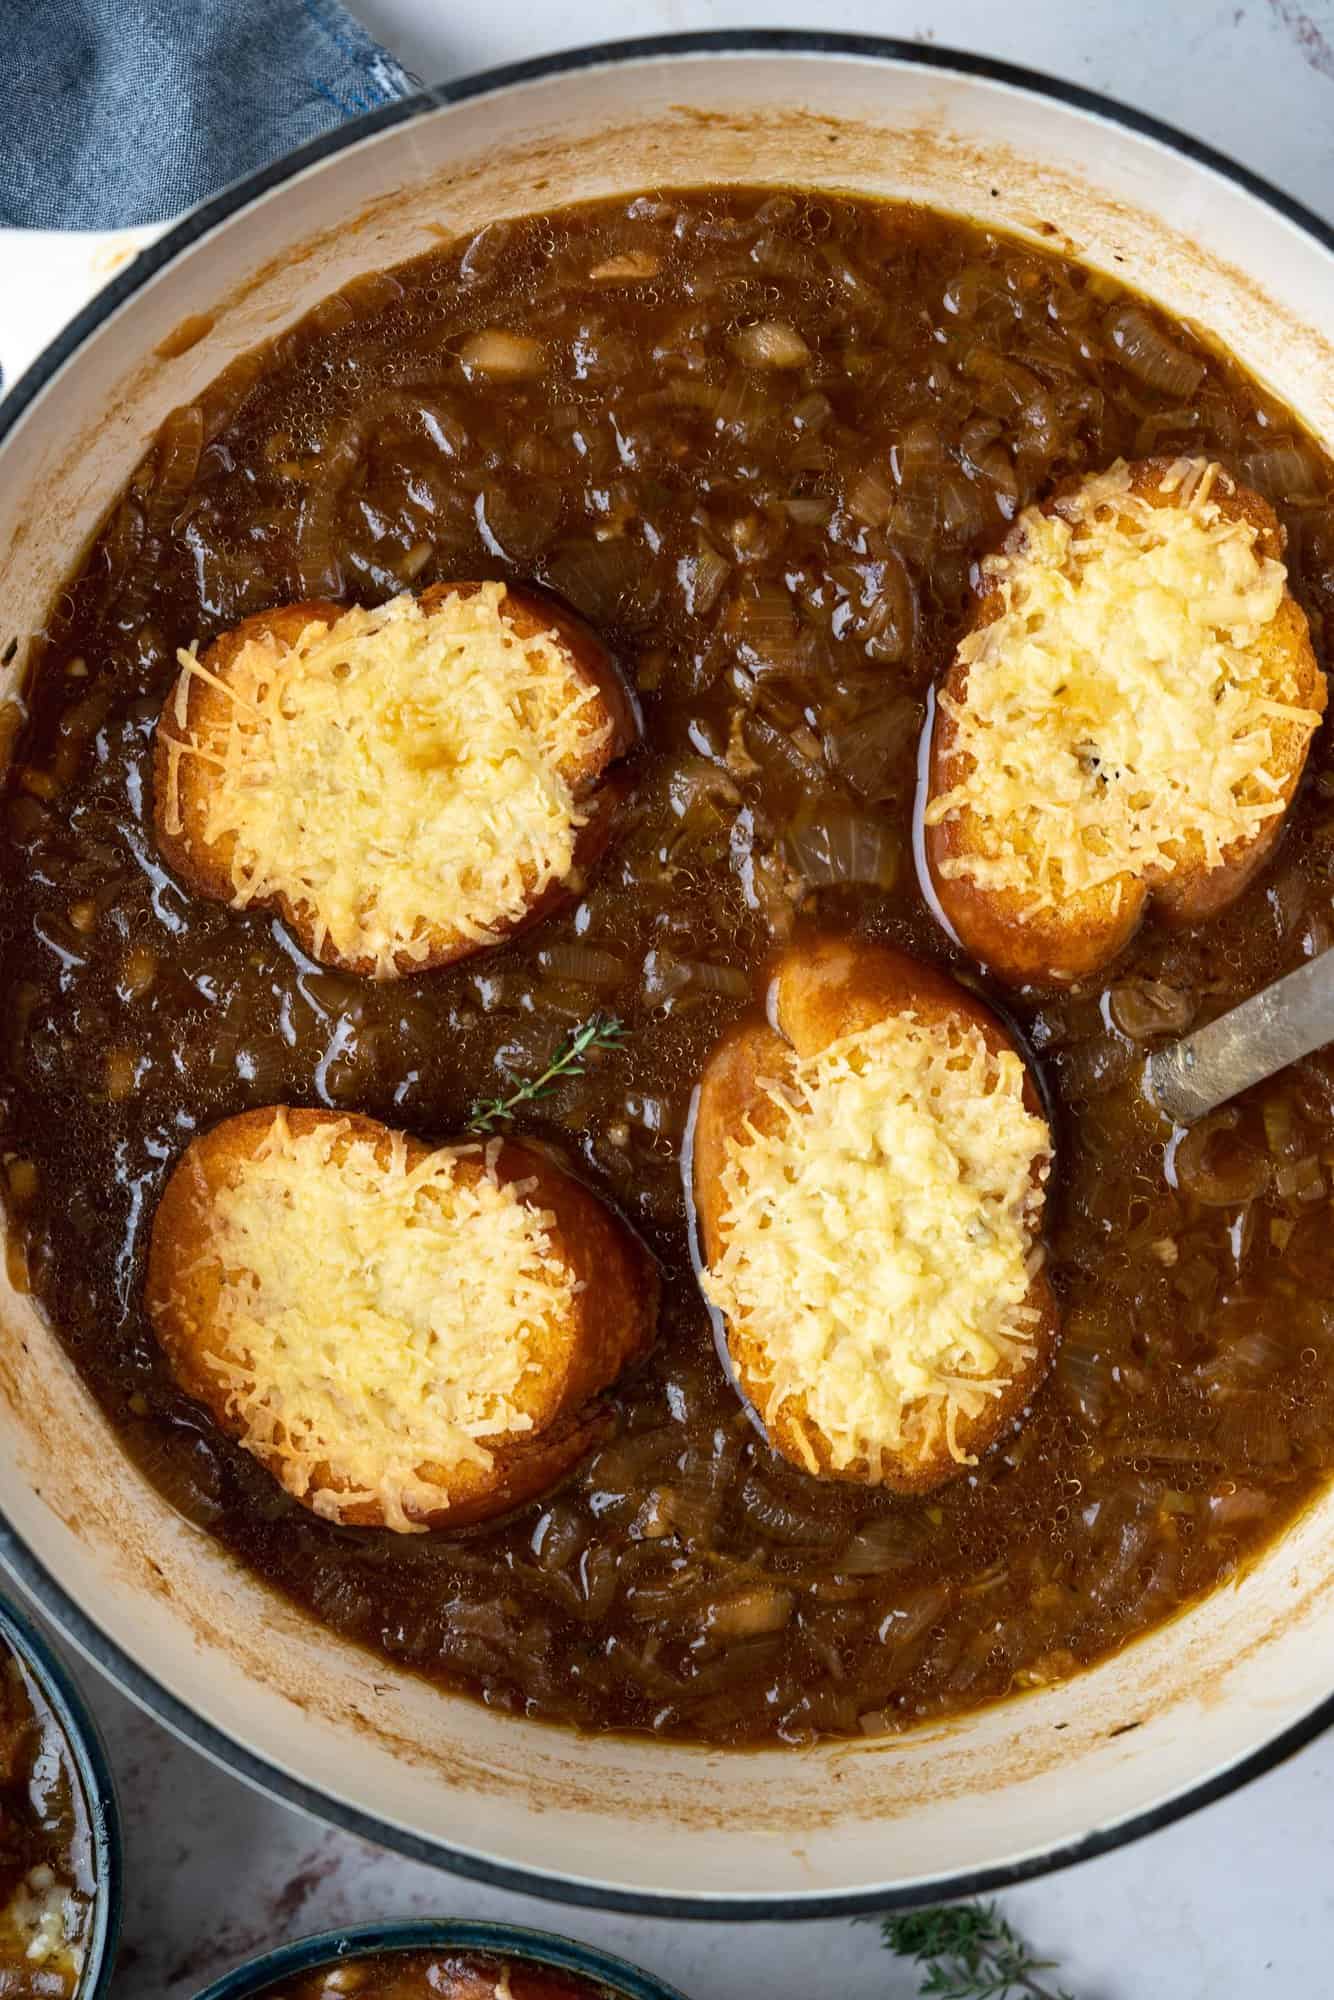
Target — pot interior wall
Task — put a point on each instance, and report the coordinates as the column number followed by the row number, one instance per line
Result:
column 637, row 1817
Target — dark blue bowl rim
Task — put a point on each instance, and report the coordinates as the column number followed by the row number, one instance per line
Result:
column 93, row 1768
column 309, row 1954
column 31, row 1572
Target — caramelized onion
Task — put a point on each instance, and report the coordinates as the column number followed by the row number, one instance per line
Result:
column 1251, row 1357
column 745, row 406
column 914, row 1615
column 1150, row 355
column 747, row 1614
column 1300, row 1180
column 485, row 250
column 184, row 1466
column 812, row 413
column 371, row 292
column 1215, row 1167
column 500, row 354
column 666, row 978
column 1250, row 1430
column 874, row 753
column 778, row 1519
column 584, row 964
column 887, row 1544
column 761, row 619
column 1281, row 471
column 179, row 447
column 1084, row 1372
column 1142, row 1008
column 605, row 580
column 560, row 1535
column 835, row 844
column 632, row 267
column 704, row 578
column 771, row 343
column 1161, row 1450
column 1241, row 1507
column 872, row 495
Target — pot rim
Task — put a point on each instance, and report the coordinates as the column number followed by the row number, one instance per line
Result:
column 250, row 1980
column 92, row 1768
column 32, row 1573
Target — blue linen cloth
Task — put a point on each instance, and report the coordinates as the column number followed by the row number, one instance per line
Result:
column 127, row 111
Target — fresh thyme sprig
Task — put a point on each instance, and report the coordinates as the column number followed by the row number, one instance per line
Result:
column 970, row 1953
column 599, row 1031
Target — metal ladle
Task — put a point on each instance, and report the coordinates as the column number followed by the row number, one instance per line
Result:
column 1265, row 1033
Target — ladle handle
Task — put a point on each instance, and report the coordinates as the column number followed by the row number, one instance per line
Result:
column 1266, row 1033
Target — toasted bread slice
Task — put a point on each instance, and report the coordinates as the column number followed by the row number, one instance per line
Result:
column 1126, row 723
column 405, row 1338
column 868, row 1181
column 405, row 786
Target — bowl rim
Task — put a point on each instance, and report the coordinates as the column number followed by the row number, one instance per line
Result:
column 92, row 1767
column 250, row 1979
column 21, row 1562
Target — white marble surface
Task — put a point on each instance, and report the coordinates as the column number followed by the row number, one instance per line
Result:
column 1237, row 1901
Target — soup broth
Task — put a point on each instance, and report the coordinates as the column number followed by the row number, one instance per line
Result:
column 760, row 439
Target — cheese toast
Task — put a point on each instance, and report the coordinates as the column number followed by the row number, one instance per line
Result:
column 404, row 786
column 1126, row 723
column 405, row 1338
column 868, row 1178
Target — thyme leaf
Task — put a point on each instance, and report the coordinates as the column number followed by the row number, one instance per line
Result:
column 969, row 1952
column 599, row 1031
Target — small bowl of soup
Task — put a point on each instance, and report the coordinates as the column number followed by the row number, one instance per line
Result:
column 60, row 1841
column 430, row 1959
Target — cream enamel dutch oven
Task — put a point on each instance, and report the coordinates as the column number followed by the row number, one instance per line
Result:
column 1176, row 1719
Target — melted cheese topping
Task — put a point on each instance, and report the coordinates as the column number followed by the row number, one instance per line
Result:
column 1120, row 715
column 878, row 1228
column 377, row 1319
column 398, row 774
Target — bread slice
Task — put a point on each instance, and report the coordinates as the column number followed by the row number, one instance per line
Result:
column 868, row 1178
column 405, row 786
column 1126, row 723
column 404, row 1337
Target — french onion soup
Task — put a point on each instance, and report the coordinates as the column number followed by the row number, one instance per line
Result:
column 47, row 1865
column 438, row 1975
column 787, row 464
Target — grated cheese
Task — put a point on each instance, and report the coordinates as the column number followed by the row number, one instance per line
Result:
column 878, row 1234
column 398, row 774
column 1120, row 707
column 44, row 1921
column 374, row 1319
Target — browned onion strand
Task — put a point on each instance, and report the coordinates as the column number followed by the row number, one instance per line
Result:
column 1216, row 1166
column 1150, row 355
column 839, row 845
column 761, row 441
column 1142, row 1009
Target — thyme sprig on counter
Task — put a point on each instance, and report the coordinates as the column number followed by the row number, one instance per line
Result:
column 599, row 1031
column 970, row 1953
